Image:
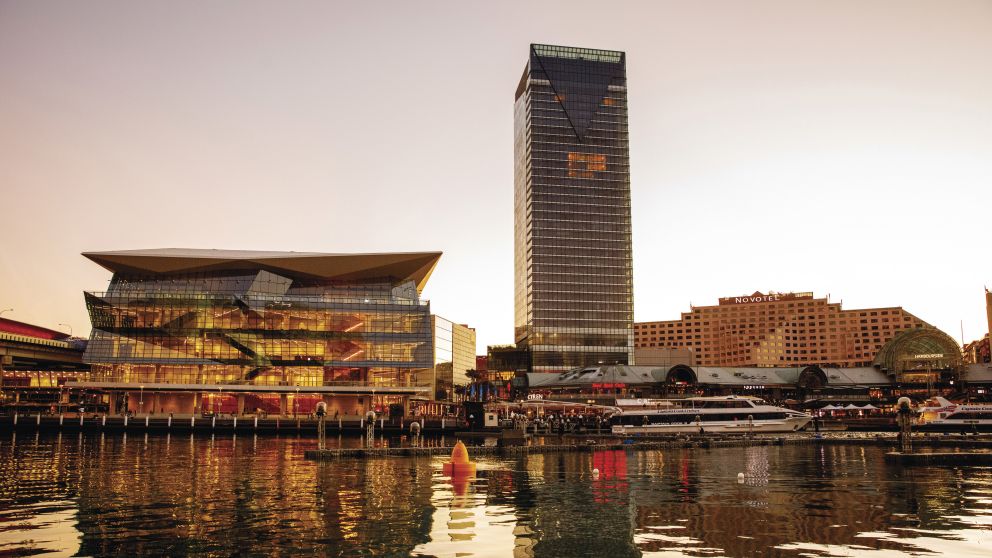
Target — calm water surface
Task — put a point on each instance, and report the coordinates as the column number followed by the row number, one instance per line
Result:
column 110, row 495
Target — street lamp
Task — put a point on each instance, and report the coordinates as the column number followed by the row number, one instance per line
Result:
column 6, row 310
column 68, row 326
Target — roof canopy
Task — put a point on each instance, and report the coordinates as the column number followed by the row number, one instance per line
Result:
column 399, row 266
column 908, row 348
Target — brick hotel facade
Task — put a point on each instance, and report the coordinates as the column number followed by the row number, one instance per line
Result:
column 778, row 329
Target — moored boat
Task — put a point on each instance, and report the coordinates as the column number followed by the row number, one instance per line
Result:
column 720, row 415
column 939, row 414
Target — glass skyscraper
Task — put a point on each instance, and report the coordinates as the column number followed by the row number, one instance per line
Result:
column 572, row 237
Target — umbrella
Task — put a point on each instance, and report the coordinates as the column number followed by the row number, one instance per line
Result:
column 869, row 407
column 851, row 407
column 830, row 408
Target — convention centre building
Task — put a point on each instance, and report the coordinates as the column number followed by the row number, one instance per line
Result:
column 187, row 331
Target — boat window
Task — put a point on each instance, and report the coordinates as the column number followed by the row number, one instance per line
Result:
column 971, row 415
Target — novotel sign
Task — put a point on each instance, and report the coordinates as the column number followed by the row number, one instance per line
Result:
column 760, row 297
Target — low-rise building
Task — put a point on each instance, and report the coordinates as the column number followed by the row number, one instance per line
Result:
column 35, row 364
column 454, row 357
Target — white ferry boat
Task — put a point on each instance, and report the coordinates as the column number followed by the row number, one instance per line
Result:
column 693, row 415
column 938, row 414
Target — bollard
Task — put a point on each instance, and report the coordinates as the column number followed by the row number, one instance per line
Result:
column 192, row 421
column 39, row 419
column 361, row 424
column 103, row 421
column 235, row 423
column 442, row 423
column 80, row 419
column 277, row 424
column 125, row 420
column 61, row 416
column 146, row 421
column 256, row 423
column 213, row 422
column 339, row 423
column 169, row 424
column 382, row 423
column 15, row 419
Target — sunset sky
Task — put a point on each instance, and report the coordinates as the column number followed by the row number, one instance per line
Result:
column 840, row 147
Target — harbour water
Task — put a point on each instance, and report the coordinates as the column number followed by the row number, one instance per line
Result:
column 113, row 495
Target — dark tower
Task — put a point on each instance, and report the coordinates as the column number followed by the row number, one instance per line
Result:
column 572, row 250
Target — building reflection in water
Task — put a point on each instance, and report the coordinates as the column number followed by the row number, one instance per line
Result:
column 181, row 495
column 466, row 523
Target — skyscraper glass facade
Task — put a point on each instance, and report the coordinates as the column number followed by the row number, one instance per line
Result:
column 572, row 232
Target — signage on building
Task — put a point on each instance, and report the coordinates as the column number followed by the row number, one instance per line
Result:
column 760, row 297
column 608, row 386
column 928, row 356
column 534, row 396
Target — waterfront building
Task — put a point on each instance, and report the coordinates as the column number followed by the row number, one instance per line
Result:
column 454, row 357
column 978, row 351
column 917, row 362
column 778, row 329
column 35, row 362
column 573, row 292
column 662, row 356
column 220, row 331
column 988, row 309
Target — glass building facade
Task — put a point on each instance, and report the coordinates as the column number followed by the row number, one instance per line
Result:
column 454, row 356
column 572, row 232
column 284, row 330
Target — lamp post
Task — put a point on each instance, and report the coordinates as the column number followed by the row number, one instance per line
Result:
column 6, row 310
column 68, row 326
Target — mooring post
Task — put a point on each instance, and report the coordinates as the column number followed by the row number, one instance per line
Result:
column 904, row 417
column 321, row 411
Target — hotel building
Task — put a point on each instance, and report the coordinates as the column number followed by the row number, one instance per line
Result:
column 573, row 291
column 187, row 331
column 778, row 329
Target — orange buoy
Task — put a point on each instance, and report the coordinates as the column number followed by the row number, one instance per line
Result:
column 459, row 464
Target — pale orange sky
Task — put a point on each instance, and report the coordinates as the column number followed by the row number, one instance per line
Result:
column 842, row 147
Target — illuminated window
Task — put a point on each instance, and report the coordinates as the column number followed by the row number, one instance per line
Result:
column 583, row 165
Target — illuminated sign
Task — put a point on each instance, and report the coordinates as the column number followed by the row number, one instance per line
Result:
column 760, row 297
column 929, row 356
column 608, row 386
column 534, row 396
